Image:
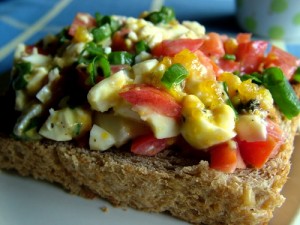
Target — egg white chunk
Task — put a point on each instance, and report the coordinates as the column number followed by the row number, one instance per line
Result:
column 105, row 94
column 121, row 128
column 161, row 125
column 100, row 139
column 251, row 128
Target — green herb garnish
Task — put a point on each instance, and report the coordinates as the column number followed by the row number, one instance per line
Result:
column 141, row 46
column 229, row 57
column 296, row 76
column 174, row 75
column 98, row 63
column 21, row 69
column 282, row 92
column 90, row 51
column 228, row 101
column 255, row 77
column 165, row 15
column 101, row 33
column 109, row 20
column 120, row 58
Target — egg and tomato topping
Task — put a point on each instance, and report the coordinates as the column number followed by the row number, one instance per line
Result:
column 152, row 81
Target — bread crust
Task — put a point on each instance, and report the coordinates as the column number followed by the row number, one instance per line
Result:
column 167, row 182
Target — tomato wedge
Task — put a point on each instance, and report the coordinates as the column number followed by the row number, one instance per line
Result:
column 211, row 67
column 118, row 40
column 223, row 157
column 284, row 60
column 213, row 46
column 157, row 99
column 229, row 65
column 243, row 37
column 82, row 19
column 149, row 145
column 257, row 153
column 251, row 54
column 172, row 47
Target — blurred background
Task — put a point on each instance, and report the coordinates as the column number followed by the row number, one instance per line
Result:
column 29, row 20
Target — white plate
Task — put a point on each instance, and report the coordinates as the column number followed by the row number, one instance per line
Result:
column 24, row 201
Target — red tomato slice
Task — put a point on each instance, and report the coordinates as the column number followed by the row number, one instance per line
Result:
column 172, row 47
column 250, row 55
column 229, row 65
column 213, row 46
column 157, row 99
column 149, row 145
column 243, row 37
column 257, row 153
column 212, row 68
column 279, row 58
column 82, row 19
column 118, row 40
column 223, row 157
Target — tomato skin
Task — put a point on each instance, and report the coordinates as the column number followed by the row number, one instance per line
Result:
column 284, row 60
column 251, row 55
column 213, row 46
column 257, row 153
column 243, row 37
column 149, row 145
column 157, row 99
column 223, row 157
column 229, row 65
column 118, row 40
column 172, row 47
column 212, row 68
column 82, row 19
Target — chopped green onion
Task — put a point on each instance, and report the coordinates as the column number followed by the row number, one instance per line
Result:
column 174, row 75
column 92, row 50
column 255, row 77
column 101, row 33
column 229, row 57
column 296, row 76
column 120, row 58
column 21, row 69
column 228, row 101
column 98, row 18
column 282, row 92
column 34, row 123
column 141, row 46
column 101, row 20
column 77, row 129
column 63, row 36
column 99, row 62
column 165, row 15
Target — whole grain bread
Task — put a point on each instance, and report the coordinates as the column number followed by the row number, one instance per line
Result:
column 186, row 188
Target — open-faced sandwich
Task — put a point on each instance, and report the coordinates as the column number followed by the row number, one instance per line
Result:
column 156, row 114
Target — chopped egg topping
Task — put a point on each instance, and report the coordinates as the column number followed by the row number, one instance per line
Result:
column 115, row 79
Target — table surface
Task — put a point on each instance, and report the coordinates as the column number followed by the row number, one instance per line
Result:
column 26, row 21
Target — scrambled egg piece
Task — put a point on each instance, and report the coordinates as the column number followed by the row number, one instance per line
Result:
column 66, row 123
column 154, row 34
column 204, row 128
column 104, row 94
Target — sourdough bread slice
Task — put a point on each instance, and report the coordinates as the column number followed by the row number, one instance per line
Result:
column 188, row 189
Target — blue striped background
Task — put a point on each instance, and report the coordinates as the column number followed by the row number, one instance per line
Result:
column 18, row 16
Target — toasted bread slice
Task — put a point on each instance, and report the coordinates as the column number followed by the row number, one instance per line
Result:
column 171, row 181
column 187, row 189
